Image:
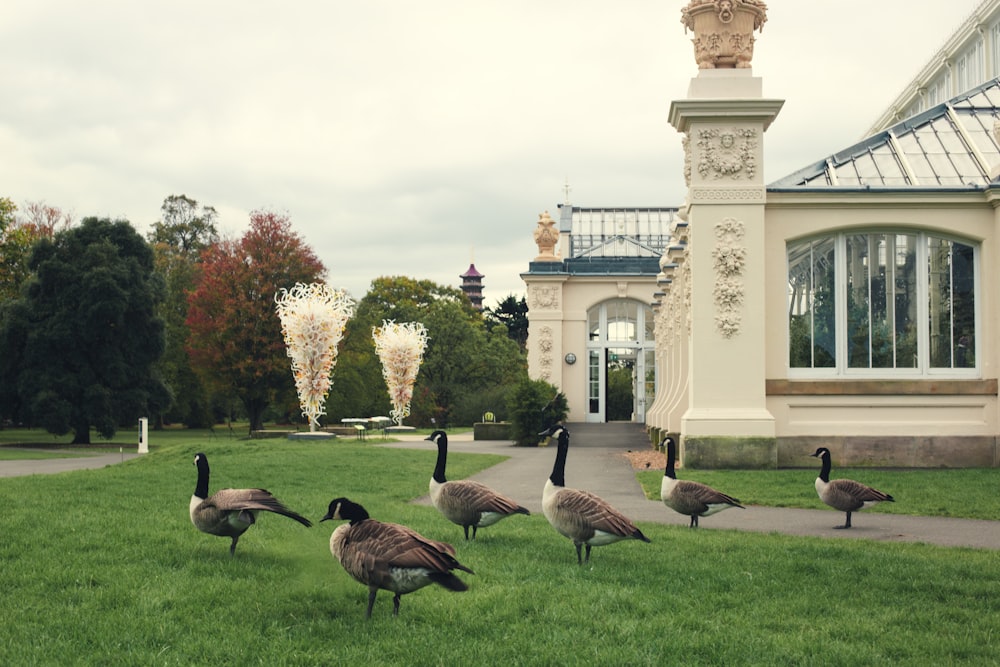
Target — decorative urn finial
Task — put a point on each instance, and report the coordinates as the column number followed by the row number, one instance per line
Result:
column 546, row 236
column 723, row 31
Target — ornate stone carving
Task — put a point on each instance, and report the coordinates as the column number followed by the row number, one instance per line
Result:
column 546, row 236
column 686, row 273
column 729, row 261
column 747, row 195
column 727, row 153
column 545, row 345
column 686, row 145
column 543, row 297
column 723, row 31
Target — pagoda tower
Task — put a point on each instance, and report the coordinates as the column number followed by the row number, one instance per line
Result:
column 472, row 285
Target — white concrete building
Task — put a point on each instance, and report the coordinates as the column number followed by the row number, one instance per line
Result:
column 590, row 320
column 853, row 304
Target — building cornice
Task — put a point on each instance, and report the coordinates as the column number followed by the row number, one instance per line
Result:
column 859, row 198
column 684, row 112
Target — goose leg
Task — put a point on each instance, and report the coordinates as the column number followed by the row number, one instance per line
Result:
column 694, row 521
column 587, row 559
column 848, row 524
column 474, row 529
column 395, row 605
column 578, row 545
column 372, row 590
column 232, row 547
column 466, row 529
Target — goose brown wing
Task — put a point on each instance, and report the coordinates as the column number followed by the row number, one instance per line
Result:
column 595, row 512
column 480, row 497
column 859, row 491
column 392, row 545
column 238, row 500
column 705, row 494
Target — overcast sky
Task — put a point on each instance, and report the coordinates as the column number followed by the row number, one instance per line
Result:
column 411, row 138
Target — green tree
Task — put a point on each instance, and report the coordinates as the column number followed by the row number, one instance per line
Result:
column 7, row 211
column 465, row 370
column 236, row 343
column 620, row 396
column 178, row 241
column 512, row 313
column 18, row 233
column 185, row 228
column 80, row 343
column 13, row 251
column 534, row 405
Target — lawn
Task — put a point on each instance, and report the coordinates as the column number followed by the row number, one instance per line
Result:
column 969, row 493
column 104, row 567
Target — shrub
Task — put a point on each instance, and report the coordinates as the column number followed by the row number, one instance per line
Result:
column 533, row 406
column 470, row 407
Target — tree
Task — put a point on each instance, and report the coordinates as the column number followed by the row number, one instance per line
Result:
column 534, row 406
column 184, row 228
column 18, row 234
column 465, row 369
column 45, row 220
column 235, row 342
column 80, row 343
column 178, row 241
column 513, row 314
column 13, row 251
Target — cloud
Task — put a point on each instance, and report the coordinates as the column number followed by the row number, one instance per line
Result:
column 411, row 138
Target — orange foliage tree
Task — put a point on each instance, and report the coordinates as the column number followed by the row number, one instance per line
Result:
column 236, row 342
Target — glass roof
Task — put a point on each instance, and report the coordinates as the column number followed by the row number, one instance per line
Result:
column 616, row 232
column 950, row 146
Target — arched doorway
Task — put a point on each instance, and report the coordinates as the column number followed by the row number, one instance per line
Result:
column 621, row 368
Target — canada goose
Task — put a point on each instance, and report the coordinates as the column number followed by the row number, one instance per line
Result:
column 580, row 515
column 466, row 502
column 389, row 556
column 691, row 498
column 229, row 512
column 845, row 495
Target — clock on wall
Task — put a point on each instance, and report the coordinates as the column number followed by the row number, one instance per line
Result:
column 571, row 358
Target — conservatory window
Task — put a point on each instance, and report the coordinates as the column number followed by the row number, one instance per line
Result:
column 882, row 304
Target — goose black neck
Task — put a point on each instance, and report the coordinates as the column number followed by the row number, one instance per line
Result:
column 353, row 512
column 824, row 473
column 442, row 459
column 558, row 476
column 201, row 488
column 671, row 459
column 358, row 514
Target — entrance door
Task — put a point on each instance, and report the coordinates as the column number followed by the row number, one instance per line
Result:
column 621, row 373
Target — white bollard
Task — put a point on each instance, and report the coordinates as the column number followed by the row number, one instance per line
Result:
column 143, row 435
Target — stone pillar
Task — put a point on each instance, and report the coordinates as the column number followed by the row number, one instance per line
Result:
column 726, row 423
column 679, row 326
column 544, row 295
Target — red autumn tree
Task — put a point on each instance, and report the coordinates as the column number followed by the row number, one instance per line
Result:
column 235, row 341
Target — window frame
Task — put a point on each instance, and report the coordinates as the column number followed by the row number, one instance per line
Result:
column 923, row 369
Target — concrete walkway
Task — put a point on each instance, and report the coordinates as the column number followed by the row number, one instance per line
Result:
column 601, row 469
column 595, row 463
column 49, row 466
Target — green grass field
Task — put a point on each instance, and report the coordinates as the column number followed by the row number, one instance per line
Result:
column 970, row 493
column 103, row 567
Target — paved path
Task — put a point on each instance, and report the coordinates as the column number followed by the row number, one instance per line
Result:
column 48, row 466
column 604, row 471
column 600, row 468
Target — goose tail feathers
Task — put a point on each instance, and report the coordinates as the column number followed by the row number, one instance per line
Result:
column 449, row 580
